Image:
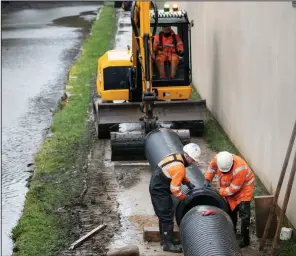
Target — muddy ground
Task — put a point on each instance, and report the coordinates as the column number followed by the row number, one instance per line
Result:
column 117, row 194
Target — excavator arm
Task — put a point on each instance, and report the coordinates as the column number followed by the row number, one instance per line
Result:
column 142, row 49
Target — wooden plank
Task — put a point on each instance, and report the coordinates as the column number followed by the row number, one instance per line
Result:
column 262, row 208
column 85, row 237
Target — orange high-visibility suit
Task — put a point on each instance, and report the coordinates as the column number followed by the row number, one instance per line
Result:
column 166, row 49
column 174, row 169
column 165, row 181
column 237, row 185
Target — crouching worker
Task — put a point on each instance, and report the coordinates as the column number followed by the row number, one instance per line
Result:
column 165, row 181
column 237, row 186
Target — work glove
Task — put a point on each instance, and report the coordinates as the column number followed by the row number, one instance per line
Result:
column 207, row 184
column 190, row 186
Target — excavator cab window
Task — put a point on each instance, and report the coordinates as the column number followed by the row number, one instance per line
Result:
column 183, row 68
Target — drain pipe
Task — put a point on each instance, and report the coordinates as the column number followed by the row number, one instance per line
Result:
column 204, row 223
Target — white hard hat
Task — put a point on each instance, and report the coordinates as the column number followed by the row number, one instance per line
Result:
column 224, row 161
column 192, row 150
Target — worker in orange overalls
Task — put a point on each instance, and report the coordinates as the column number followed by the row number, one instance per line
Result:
column 167, row 46
column 237, row 186
column 165, row 181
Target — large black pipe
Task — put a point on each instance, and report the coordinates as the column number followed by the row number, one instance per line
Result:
column 163, row 142
column 129, row 145
column 208, row 231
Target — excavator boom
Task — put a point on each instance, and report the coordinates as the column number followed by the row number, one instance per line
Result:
column 141, row 18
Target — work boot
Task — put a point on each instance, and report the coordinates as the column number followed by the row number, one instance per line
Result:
column 167, row 232
column 245, row 237
column 175, row 242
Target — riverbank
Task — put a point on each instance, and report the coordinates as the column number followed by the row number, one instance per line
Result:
column 45, row 227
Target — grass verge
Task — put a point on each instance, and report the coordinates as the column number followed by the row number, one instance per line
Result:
column 45, row 225
column 218, row 141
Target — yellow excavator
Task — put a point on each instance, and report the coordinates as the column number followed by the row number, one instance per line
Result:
column 133, row 99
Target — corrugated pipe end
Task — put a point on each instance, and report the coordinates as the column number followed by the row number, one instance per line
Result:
column 208, row 230
column 201, row 197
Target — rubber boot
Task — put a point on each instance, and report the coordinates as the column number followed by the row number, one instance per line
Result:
column 245, row 236
column 168, row 246
column 175, row 242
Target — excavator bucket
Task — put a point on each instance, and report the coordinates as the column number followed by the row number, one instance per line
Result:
column 121, row 122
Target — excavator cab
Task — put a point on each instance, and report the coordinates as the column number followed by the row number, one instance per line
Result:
column 180, row 25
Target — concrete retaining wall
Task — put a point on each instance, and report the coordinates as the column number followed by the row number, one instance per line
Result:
column 244, row 65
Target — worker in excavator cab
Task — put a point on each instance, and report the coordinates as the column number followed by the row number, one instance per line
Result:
column 165, row 181
column 237, row 186
column 167, row 46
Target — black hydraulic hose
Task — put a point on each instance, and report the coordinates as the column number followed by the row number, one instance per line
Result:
column 155, row 18
column 163, row 142
column 147, row 57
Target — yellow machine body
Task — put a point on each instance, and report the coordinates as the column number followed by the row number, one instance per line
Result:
column 122, row 58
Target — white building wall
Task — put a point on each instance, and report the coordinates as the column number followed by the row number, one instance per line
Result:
column 244, row 65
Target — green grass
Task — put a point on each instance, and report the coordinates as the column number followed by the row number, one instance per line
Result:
column 288, row 248
column 59, row 174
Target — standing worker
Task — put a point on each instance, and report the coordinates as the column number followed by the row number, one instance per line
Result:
column 166, row 180
column 167, row 46
column 237, row 186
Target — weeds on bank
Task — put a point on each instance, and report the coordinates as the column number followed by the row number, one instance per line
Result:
column 44, row 228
